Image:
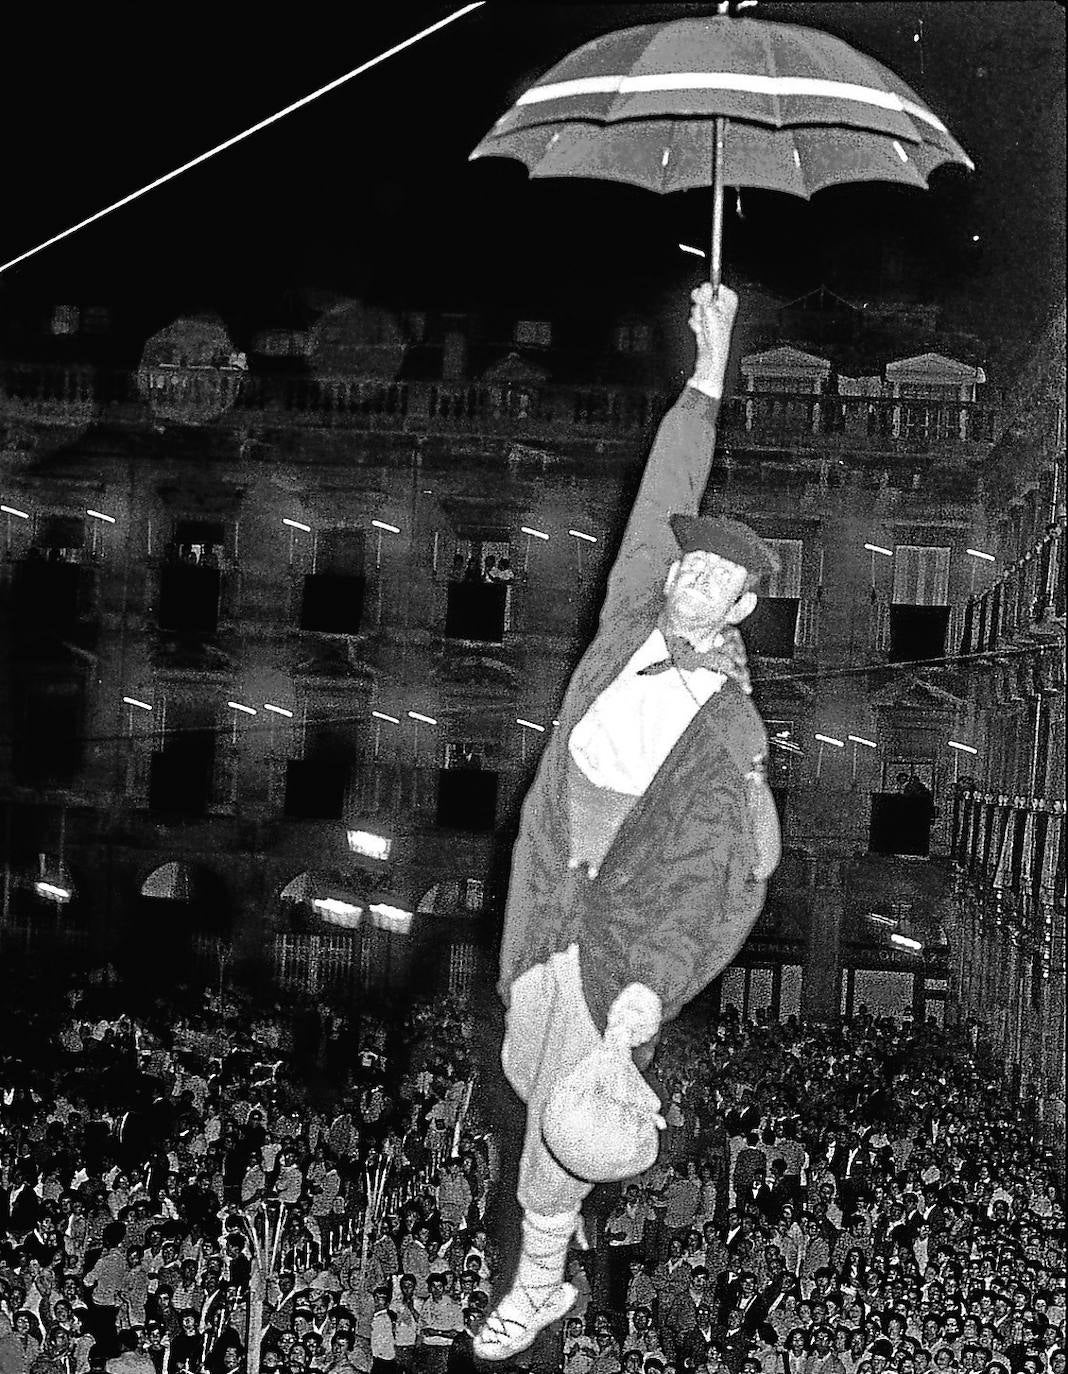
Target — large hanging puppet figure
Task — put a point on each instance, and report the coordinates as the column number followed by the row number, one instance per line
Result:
column 645, row 846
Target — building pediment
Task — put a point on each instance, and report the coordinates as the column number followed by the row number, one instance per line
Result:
column 515, row 370
column 785, row 361
column 916, row 693
column 933, row 367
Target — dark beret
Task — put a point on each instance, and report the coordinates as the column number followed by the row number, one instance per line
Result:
column 729, row 539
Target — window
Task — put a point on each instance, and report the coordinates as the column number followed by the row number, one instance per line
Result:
column 787, row 581
column 317, row 783
column 189, row 598
column 48, row 746
column 919, row 615
column 633, row 338
column 771, row 630
column 921, row 575
column 467, row 785
column 334, row 593
column 96, row 319
column 901, row 815
column 61, row 538
column 190, row 580
column 65, row 319
column 48, row 596
column 534, row 333
column 183, row 766
column 200, row 543
column 480, row 590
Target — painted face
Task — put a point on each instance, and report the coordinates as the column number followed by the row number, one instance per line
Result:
column 701, row 590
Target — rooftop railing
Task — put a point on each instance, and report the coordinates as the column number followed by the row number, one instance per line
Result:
column 762, row 420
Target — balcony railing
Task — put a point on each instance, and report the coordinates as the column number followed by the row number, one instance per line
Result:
column 768, row 421
column 1010, row 852
column 1027, row 600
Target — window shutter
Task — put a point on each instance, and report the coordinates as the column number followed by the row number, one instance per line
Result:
column 921, row 575
column 787, row 581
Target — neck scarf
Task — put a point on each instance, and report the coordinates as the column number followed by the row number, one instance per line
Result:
column 726, row 656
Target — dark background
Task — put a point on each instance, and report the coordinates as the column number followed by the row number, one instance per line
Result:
column 368, row 190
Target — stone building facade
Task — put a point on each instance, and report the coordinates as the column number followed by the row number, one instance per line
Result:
column 1008, row 933
column 265, row 698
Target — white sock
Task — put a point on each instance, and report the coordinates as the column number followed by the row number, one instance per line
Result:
column 538, row 1295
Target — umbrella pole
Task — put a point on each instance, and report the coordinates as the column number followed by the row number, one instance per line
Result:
column 715, row 257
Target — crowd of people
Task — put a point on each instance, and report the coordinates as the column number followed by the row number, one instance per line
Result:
column 855, row 1198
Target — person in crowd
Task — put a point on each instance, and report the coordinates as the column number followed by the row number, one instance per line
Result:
column 925, row 1232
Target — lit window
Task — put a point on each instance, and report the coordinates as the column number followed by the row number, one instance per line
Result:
column 633, row 338
column 534, row 333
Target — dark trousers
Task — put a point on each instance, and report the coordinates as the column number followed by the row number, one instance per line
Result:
column 620, row 1258
column 103, row 1322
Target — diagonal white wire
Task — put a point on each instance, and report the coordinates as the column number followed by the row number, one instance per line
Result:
column 255, row 128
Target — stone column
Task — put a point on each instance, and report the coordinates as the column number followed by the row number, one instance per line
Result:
column 820, row 996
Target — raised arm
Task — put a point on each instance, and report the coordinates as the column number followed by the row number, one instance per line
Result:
column 678, row 465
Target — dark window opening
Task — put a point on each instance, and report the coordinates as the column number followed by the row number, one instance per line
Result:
column 315, row 789
column 334, row 594
column 61, row 536
column 200, row 542
column 189, row 598
column 180, row 781
column 900, row 824
column 48, row 594
column 917, row 632
column 467, row 799
column 332, row 603
column 48, row 747
column 476, row 611
column 772, row 628
column 317, row 784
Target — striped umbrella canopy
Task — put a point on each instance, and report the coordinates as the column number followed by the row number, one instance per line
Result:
column 723, row 101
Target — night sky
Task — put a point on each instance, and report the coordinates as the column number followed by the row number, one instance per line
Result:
column 368, row 191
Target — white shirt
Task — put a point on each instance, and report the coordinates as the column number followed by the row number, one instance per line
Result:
column 623, row 739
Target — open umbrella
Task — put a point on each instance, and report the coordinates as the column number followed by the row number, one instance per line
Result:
column 723, row 101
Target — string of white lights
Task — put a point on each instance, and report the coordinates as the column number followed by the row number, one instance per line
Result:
column 246, row 133
column 526, row 724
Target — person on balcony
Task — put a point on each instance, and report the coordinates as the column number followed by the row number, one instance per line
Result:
column 645, row 845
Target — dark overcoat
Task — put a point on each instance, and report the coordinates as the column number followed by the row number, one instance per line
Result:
column 675, row 896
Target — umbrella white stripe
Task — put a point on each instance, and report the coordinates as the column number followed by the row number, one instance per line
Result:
column 731, row 81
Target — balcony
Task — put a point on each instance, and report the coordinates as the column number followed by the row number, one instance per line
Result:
column 820, row 424
column 1026, row 604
